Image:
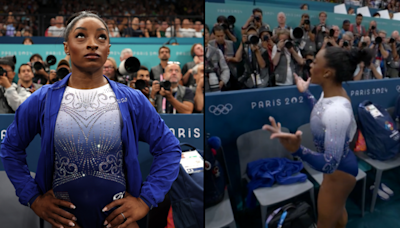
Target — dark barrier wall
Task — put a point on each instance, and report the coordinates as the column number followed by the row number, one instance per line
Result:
column 187, row 128
column 231, row 114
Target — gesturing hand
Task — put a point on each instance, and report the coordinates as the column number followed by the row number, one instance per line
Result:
column 302, row 85
column 47, row 207
column 291, row 142
column 131, row 210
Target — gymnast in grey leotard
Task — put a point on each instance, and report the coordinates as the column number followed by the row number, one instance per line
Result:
column 333, row 127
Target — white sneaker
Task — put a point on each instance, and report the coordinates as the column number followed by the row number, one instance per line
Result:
column 386, row 189
column 383, row 195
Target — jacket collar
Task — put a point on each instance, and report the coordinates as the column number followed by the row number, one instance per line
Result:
column 64, row 82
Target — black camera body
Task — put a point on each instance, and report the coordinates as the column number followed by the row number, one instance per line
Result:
column 378, row 40
column 9, row 60
column 252, row 39
column 141, row 84
column 391, row 41
column 373, row 27
column 345, row 44
column 166, row 85
column 50, row 60
column 307, row 22
column 288, row 44
column 257, row 18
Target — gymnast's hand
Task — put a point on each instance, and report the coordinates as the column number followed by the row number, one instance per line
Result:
column 291, row 142
column 132, row 208
column 302, row 85
column 47, row 207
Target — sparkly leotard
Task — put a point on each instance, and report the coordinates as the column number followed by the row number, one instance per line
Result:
column 88, row 153
column 333, row 127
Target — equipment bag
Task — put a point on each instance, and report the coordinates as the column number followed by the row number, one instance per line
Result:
column 299, row 215
column 379, row 131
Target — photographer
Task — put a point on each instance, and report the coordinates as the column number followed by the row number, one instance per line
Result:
column 308, row 37
column 362, row 72
column 172, row 98
column 40, row 75
column 11, row 95
column 286, row 58
column 62, row 70
column 25, row 75
column 226, row 47
column 256, row 73
column 281, row 18
column 333, row 38
column 357, row 29
column 268, row 44
column 141, row 81
column 373, row 31
column 321, row 30
column 255, row 20
column 228, row 25
column 216, row 70
column 347, row 41
column 382, row 51
column 305, row 70
column 393, row 62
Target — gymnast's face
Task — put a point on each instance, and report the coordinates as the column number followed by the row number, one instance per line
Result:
column 318, row 70
column 88, row 45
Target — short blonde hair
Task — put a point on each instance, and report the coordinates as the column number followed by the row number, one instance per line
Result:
column 112, row 60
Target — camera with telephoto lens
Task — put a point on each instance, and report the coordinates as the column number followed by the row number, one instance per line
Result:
column 257, row 18
column 166, row 85
column 363, row 44
column 306, row 21
column 378, row 40
column 141, row 84
column 331, row 32
column 345, row 44
column 252, row 39
column 231, row 21
column 50, row 61
column 265, row 38
column 288, row 44
column 7, row 60
column 391, row 41
column 373, row 27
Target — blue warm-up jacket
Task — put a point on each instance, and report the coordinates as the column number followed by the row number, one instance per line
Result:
column 141, row 122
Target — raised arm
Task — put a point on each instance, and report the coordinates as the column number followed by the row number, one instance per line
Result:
column 336, row 121
column 310, row 99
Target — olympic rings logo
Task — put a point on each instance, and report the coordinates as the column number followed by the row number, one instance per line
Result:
column 220, row 109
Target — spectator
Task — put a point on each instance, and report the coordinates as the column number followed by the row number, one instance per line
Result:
column 52, row 23
column 304, row 7
column 162, row 29
column 27, row 33
column 198, row 89
column 58, row 29
column 179, row 99
column 186, row 30
column 134, row 30
column 25, row 76
column 363, row 72
column 226, row 47
column 10, row 28
column 41, row 76
column 350, row 11
column 197, row 52
column 320, row 30
column 114, row 32
column 11, row 95
column 27, row 41
column 142, row 26
column 255, row 20
column 156, row 72
column 18, row 34
column 286, row 60
column 347, row 41
column 217, row 74
column 150, row 29
column 393, row 63
column 357, row 29
column 174, row 30
column 198, row 29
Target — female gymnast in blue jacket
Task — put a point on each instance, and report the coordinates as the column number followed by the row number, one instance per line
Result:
column 333, row 127
column 88, row 173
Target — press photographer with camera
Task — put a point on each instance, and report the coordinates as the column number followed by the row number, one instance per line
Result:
column 228, row 25
column 393, row 62
column 172, row 97
column 62, row 70
column 11, row 95
column 226, row 46
column 141, row 81
column 321, row 30
column 304, row 73
column 281, row 18
column 382, row 51
column 255, row 20
column 268, row 44
column 286, row 58
column 347, row 41
column 308, row 36
column 41, row 76
column 25, row 76
column 164, row 53
column 373, row 31
column 216, row 70
column 256, row 73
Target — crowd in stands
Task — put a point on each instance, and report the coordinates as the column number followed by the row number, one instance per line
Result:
column 263, row 56
column 171, row 87
column 161, row 18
